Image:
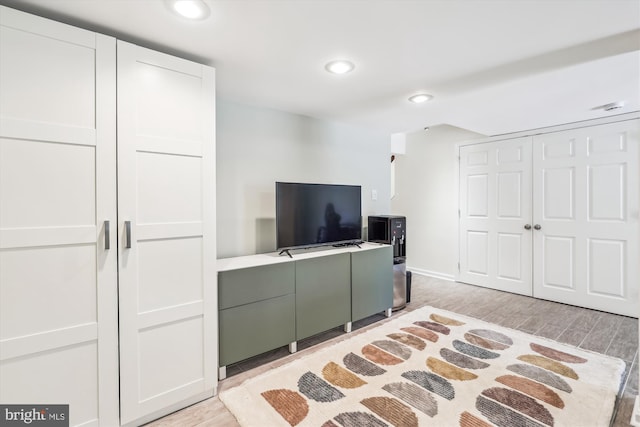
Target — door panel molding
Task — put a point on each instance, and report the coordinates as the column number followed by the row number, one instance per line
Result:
column 58, row 140
column 168, row 293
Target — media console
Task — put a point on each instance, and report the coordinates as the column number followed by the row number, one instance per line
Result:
column 268, row 301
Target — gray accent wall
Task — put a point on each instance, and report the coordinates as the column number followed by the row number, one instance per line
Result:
column 258, row 146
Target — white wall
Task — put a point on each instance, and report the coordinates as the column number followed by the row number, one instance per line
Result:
column 426, row 193
column 257, row 147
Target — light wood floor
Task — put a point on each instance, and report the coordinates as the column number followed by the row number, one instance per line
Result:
column 589, row 329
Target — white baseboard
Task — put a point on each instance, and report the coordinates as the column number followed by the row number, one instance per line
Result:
column 635, row 416
column 436, row 274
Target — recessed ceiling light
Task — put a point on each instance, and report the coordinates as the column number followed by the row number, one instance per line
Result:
column 339, row 66
column 420, row 98
column 191, row 9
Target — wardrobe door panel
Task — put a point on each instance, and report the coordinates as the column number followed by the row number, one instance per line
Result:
column 64, row 273
column 169, row 188
column 58, row 283
column 43, row 66
column 166, row 193
column 73, row 366
column 158, row 272
column 168, row 102
column 179, row 345
column 58, row 179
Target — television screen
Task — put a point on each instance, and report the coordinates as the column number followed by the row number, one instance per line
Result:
column 317, row 214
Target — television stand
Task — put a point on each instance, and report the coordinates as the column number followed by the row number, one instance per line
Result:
column 286, row 251
column 294, row 299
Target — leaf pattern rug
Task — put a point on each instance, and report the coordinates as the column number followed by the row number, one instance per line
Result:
column 431, row 367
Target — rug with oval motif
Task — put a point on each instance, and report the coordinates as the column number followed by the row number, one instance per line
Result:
column 431, row 367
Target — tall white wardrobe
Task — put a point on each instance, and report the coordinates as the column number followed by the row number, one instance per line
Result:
column 108, row 294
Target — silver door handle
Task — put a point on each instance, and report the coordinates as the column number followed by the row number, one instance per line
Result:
column 537, row 227
column 107, row 235
column 527, row 226
column 127, row 234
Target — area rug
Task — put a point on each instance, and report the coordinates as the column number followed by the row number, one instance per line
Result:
column 431, row 367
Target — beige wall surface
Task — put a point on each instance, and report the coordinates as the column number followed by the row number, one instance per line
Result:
column 426, row 192
column 258, row 146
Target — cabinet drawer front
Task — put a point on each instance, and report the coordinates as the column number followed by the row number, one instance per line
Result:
column 247, row 285
column 323, row 294
column 371, row 282
column 252, row 329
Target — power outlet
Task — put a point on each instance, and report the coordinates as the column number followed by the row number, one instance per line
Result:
column 374, row 194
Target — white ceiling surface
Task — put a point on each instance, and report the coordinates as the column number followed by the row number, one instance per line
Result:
column 493, row 66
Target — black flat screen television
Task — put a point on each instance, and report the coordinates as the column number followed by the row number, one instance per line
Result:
column 309, row 215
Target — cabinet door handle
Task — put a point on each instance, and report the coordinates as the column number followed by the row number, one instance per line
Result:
column 537, row 227
column 127, row 234
column 107, row 235
column 527, row 226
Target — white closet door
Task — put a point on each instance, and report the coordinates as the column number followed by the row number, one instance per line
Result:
column 586, row 193
column 58, row 284
column 495, row 207
column 166, row 213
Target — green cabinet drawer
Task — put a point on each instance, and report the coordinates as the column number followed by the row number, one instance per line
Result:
column 323, row 294
column 247, row 285
column 252, row 329
column 371, row 281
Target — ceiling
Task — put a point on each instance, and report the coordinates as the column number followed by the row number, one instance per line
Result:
column 494, row 66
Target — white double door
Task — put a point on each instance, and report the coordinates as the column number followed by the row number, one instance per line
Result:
column 554, row 216
column 107, row 281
